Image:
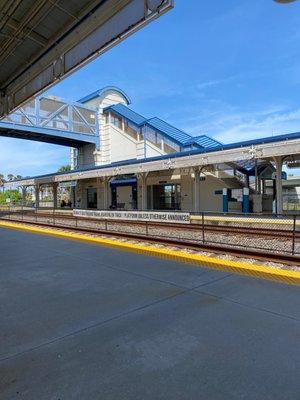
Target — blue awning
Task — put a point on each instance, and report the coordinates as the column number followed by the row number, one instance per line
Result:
column 123, row 182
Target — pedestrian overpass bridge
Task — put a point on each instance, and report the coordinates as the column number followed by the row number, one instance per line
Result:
column 53, row 120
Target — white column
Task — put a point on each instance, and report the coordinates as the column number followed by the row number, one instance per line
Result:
column 142, row 197
column 279, row 202
column 196, row 189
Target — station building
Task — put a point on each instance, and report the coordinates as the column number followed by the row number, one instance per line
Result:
column 148, row 164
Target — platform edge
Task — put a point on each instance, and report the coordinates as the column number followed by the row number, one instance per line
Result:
column 241, row 268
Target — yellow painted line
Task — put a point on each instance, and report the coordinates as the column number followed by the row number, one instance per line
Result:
column 256, row 271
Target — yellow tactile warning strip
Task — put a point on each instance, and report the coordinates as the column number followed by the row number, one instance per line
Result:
column 256, row 271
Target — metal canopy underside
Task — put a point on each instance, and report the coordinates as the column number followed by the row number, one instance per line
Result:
column 43, row 41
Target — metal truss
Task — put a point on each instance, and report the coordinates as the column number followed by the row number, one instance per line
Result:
column 53, row 120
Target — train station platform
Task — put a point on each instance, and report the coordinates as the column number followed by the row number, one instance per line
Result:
column 82, row 321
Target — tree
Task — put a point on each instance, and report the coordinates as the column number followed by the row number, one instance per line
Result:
column 2, row 181
column 64, row 168
column 10, row 177
column 14, row 195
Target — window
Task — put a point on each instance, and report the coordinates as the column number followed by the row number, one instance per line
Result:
column 160, row 141
column 116, row 120
column 166, row 197
column 153, row 136
column 131, row 129
column 170, row 147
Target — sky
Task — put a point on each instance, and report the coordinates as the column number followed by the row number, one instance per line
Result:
column 229, row 69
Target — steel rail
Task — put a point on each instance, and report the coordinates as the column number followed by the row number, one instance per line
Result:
column 230, row 229
column 266, row 255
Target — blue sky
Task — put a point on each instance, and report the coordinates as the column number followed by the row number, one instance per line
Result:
column 229, row 69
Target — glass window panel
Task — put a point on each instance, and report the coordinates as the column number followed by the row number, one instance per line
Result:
column 15, row 117
column 82, row 128
column 131, row 129
column 56, row 124
column 116, row 120
column 50, row 106
column 170, row 147
column 29, row 108
column 153, row 136
column 88, row 115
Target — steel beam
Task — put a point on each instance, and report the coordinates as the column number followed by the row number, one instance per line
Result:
column 110, row 22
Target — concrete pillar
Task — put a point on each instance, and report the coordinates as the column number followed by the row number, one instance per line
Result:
column 54, row 193
column 246, row 180
column 279, row 202
column 142, row 186
column 24, row 191
column 246, row 202
column 37, row 196
column 225, row 200
column 256, row 178
column 260, row 186
column 106, row 189
column 263, row 186
column 196, row 190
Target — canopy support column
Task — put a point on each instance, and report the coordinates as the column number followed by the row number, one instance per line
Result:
column 196, row 191
column 279, row 202
column 37, row 196
column 142, row 202
column 24, row 192
column 106, row 181
column 54, row 191
column 256, row 179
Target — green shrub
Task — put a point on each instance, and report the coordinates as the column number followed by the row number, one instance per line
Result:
column 14, row 195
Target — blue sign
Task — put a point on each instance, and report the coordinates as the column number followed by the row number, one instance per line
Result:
column 283, row 175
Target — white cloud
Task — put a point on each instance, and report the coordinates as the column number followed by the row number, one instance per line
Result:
column 251, row 126
column 22, row 157
column 208, row 84
column 230, row 124
column 215, row 82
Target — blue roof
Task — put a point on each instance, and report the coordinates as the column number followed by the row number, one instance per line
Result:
column 175, row 134
column 203, row 141
column 169, row 130
column 100, row 92
column 166, row 129
column 127, row 113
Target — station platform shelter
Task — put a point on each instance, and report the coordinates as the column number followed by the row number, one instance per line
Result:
column 144, row 163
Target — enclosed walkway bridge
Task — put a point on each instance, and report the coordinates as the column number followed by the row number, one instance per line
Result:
column 53, row 120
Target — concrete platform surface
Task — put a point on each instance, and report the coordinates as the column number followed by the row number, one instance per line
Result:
column 81, row 321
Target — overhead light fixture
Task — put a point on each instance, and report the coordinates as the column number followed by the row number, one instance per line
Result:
column 284, row 1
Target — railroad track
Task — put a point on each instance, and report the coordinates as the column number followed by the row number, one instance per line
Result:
column 71, row 223
column 195, row 227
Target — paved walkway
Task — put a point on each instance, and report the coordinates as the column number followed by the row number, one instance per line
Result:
column 81, row 321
